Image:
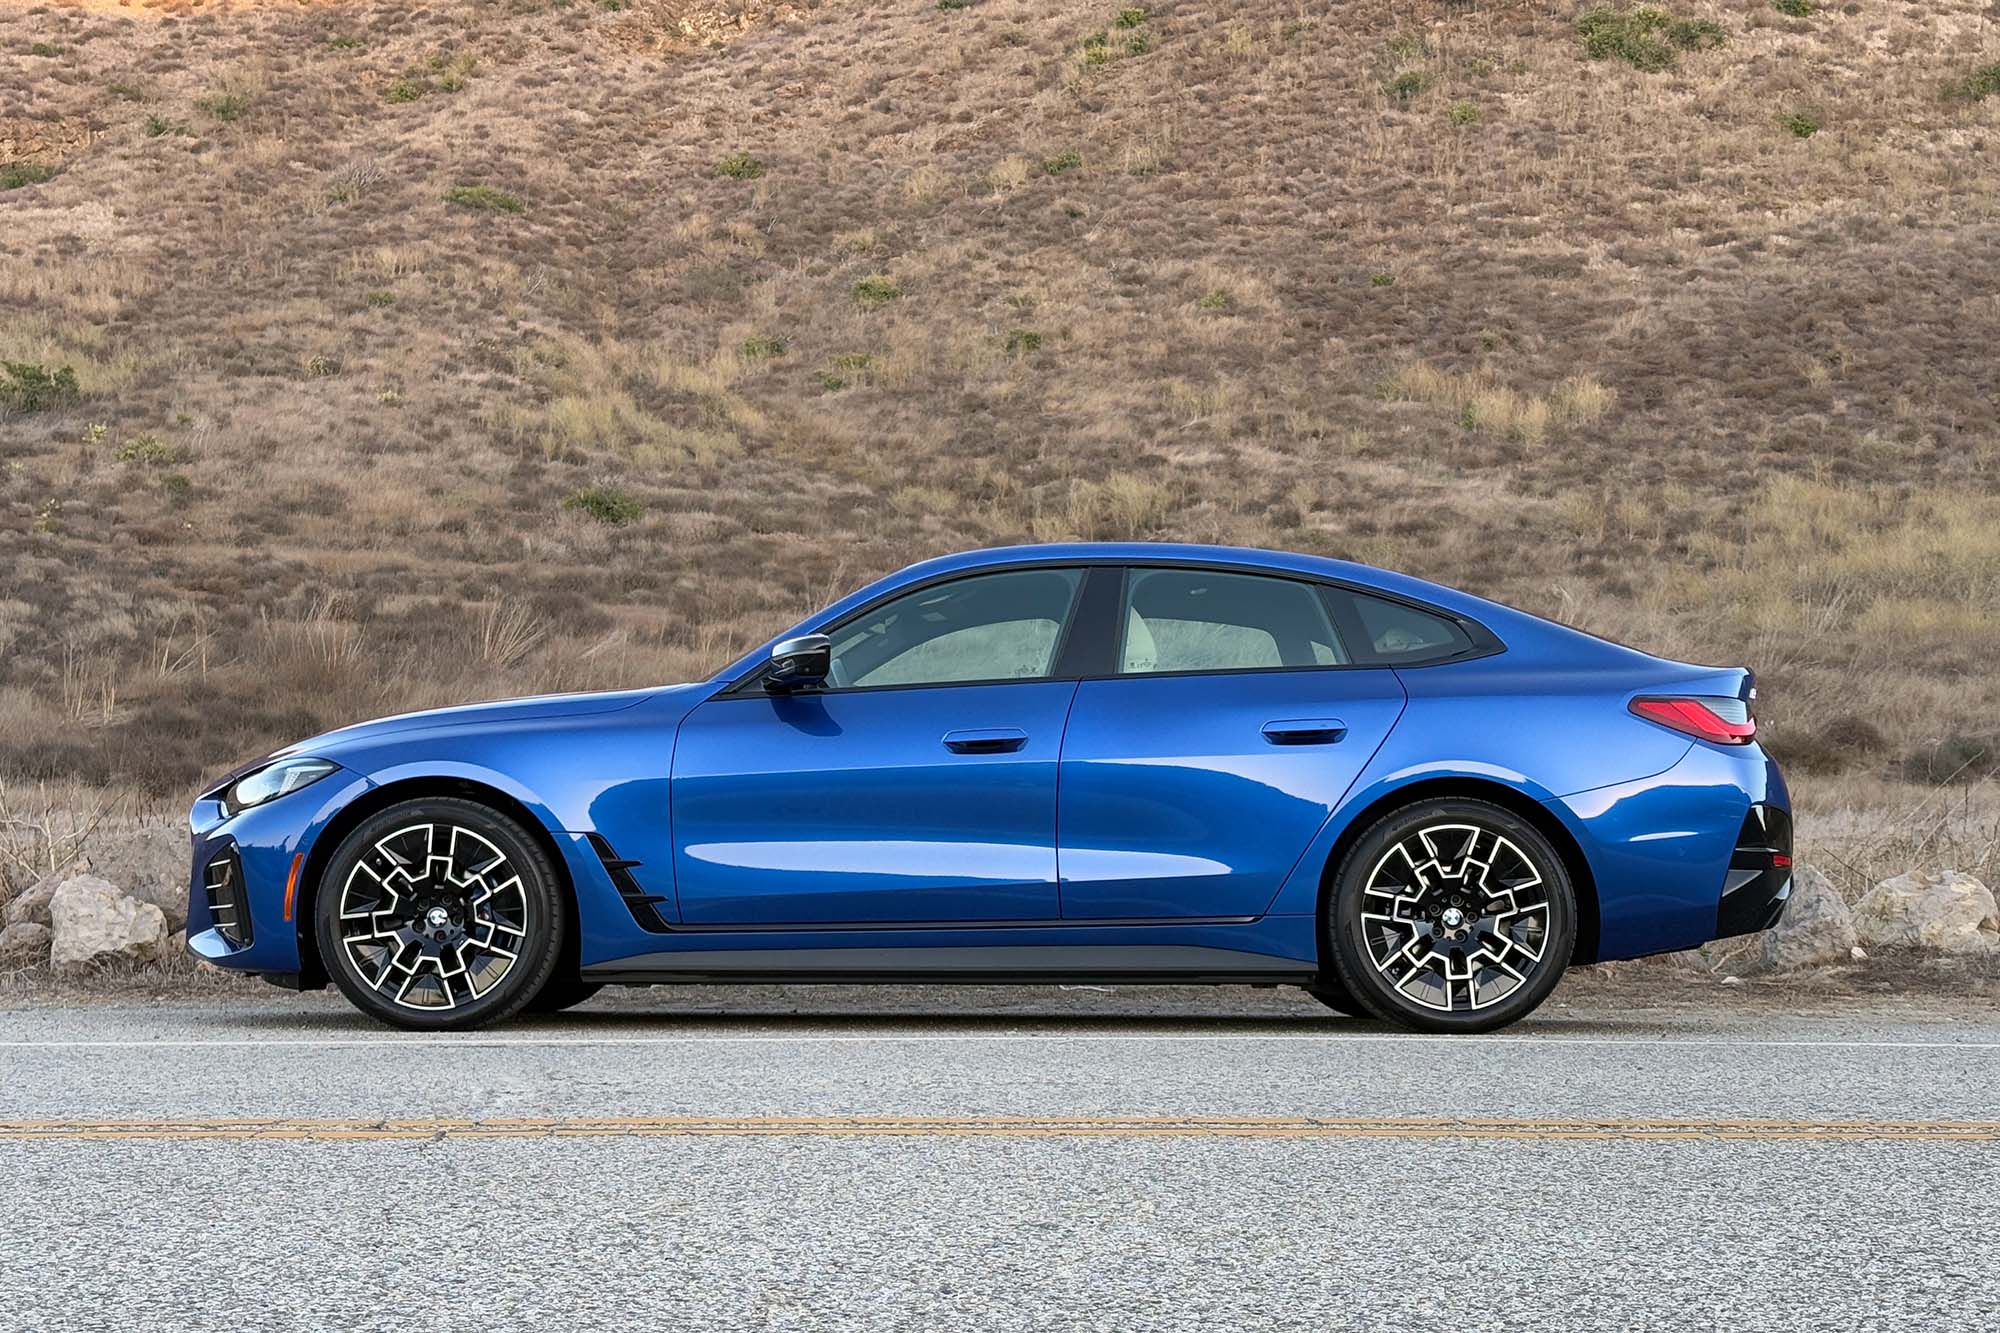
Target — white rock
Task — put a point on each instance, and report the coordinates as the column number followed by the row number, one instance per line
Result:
column 1816, row 928
column 24, row 944
column 32, row 903
column 1948, row 912
column 149, row 863
column 93, row 922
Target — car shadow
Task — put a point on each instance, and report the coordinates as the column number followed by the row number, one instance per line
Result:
column 631, row 1018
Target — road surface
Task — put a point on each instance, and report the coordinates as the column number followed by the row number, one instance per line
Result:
column 821, row 1159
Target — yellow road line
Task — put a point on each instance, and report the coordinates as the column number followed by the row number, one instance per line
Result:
column 1028, row 1127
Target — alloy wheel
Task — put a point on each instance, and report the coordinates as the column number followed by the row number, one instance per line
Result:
column 1455, row 917
column 433, row 917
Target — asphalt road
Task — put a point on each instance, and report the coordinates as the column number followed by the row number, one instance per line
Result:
column 1036, row 1160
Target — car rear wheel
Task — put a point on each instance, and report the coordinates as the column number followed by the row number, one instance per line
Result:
column 439, row 914
column 1451, row 915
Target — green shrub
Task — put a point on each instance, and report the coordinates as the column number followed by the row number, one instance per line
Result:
column 1021, row 342
column 125, row 92
column 381, row 300
column 1800, row 124
column 159, row 125
column 1062, row 162
column 177, row 486
column 1138, row 44
column 344, row 42
column 740, row 167
column 1976, row 86
column 845, row 371
column 875, row 291
column 1129, row 18
column 25, row 387
column 1213, row 301
column 46, row 49
column 1382, row 280
column 1463, row 113
column 442, row 73
column 485, row 197
column 949, row 5
column 149, row 451
column 16, row 174
column 613, row 508
column 1798, row 9
column 761, row 348
column 1646, row 38
column 1407, row 85
column 225, row 107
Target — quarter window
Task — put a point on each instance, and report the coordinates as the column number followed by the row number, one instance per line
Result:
column 1200, row 620
column 1387, row 633
column 1005, row 626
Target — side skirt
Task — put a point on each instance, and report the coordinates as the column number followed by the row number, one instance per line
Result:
column 1026, row 964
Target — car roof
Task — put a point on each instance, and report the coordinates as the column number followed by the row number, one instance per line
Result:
column 1244, row 557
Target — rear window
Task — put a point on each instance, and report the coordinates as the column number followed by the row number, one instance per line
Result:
column 1382, row 632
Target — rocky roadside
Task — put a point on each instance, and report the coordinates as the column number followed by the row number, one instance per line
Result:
column 116, row 919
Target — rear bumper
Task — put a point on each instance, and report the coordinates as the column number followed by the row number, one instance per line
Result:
column 1759, row 882
column 1662, row 850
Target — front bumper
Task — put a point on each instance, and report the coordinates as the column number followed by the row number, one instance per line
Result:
column 246, row 924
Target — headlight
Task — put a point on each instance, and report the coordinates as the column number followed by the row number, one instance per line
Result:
column 272, row 781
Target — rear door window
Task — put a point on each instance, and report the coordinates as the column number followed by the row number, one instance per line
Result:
column 1178, row 620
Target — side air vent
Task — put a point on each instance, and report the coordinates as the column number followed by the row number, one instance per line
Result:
column 643, row 906
column 222, row 883
column 1759, row 882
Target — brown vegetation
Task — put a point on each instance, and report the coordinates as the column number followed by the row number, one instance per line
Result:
column 741, row 305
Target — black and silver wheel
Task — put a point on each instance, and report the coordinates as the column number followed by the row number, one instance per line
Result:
column 1451, row 916
column 439, row 913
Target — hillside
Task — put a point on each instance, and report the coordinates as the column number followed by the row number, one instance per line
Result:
column 389, row 354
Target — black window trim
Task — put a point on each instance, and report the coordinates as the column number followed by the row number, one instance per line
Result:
column 1092, row 627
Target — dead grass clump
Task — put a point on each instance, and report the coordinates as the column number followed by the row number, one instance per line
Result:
column 1483, row 405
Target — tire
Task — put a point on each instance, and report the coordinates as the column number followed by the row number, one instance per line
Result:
column 468, row 938
column 564, row 991
column 1451, row 942
column 1329, row 991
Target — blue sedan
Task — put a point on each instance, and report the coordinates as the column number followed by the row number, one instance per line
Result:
column 1079, row 763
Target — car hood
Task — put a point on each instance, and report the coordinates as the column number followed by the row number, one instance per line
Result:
column 498, row 712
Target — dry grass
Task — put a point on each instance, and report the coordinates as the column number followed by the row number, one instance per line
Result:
column 1618, row 349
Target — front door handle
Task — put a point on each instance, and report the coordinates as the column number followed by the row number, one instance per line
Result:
column 985, row 740
column 1305, row 731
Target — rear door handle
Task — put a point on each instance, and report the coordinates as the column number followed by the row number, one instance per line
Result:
column 1305, row 731
column 985, row 740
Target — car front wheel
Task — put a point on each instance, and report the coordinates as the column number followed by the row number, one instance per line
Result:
column 439, row 914
column 1451, row 915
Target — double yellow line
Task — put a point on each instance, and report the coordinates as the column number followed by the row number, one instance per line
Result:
column 1006, row 1127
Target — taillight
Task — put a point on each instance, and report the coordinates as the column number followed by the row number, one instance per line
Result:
column 1717, row 718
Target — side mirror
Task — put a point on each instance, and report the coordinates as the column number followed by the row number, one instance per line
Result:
column 801, row 662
